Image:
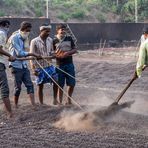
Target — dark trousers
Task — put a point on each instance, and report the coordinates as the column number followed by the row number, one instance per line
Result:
column 4, row 88
column 22, row 76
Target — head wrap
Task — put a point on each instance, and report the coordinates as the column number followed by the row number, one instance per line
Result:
column 45, row 27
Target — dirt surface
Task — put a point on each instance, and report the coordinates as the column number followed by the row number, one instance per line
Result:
column 99, row 81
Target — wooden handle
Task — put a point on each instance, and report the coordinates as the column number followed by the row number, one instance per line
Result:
column 34, row 58
column 125, row 89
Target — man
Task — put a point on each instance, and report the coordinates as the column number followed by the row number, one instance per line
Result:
column 43, row 45
column 143, row 55
column 64, row 47
column 19, row 68
column 4, row 89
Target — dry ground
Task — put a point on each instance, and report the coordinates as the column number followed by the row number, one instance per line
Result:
column 100, row 80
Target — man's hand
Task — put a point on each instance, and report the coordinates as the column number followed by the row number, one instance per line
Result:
column 65, row 55
column 35, row 73
column 11, row 59
column 61, row 54
column 135, row 75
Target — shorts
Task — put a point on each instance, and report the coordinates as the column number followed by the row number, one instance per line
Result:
column 4, row 88
column 62, row 77
column 43, row 77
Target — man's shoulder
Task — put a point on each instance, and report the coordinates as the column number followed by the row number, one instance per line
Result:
column 15, row 35
column 50, row 39
column 144, row 44
column 68, row 38
column 55, row 40
column 35, row 39
column 2, row 34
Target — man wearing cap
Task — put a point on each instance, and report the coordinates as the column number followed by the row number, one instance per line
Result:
column 64, row 47
column 19, row 68
column 143, row 55
column 4, row 89
column 43, row 45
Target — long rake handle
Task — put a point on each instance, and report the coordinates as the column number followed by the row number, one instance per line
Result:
column 125, row 89
column 34, row 58
column 128, row 85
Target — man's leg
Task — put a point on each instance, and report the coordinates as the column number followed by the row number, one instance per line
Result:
column 61, row 82
column 29, row 85
column 70, row 90
column 60, row 95
column 32, row 99
column 70, row 81
column 16, row 98
column 55, row 92
column 40, row 92
column 7, row 106
column 4, row 91
column 17, row 74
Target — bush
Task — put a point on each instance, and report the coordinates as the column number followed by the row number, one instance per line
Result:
column 2, row 13
column 79, row 14
column 64, row 17
column 101, row 18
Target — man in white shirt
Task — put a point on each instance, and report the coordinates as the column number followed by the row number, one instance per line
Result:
column 4, row 88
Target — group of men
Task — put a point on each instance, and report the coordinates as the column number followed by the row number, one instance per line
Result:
column 62, row 46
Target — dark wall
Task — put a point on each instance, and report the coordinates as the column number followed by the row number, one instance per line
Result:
column 36, row 22
column 94, row 32
column 88, row 32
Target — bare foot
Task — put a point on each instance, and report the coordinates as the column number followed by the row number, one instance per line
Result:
column 34, row 107
column 16, row 106
column 68, row 103
column 55, row 102
column 9, row 115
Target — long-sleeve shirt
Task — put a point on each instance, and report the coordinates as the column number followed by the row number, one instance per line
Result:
column 42, row 48
column 143, row 57
column 17, row 49
column 3, row 39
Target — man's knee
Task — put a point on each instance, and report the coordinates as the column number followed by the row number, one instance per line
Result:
column 30, row 89
column 17, row 91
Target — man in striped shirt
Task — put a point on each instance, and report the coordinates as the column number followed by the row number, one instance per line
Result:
column 44, row 71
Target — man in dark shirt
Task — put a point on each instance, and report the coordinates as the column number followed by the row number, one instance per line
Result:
column 64, row 48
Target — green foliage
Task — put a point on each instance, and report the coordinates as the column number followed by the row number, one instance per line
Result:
column 101, row 18
column 78, row 14
column 79, row 9
column 2, row 13
column 68, row 4
column 64, row 17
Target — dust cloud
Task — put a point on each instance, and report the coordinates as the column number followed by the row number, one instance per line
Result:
column 89, row 119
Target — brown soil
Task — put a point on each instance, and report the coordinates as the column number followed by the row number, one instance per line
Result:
column 100, row 80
